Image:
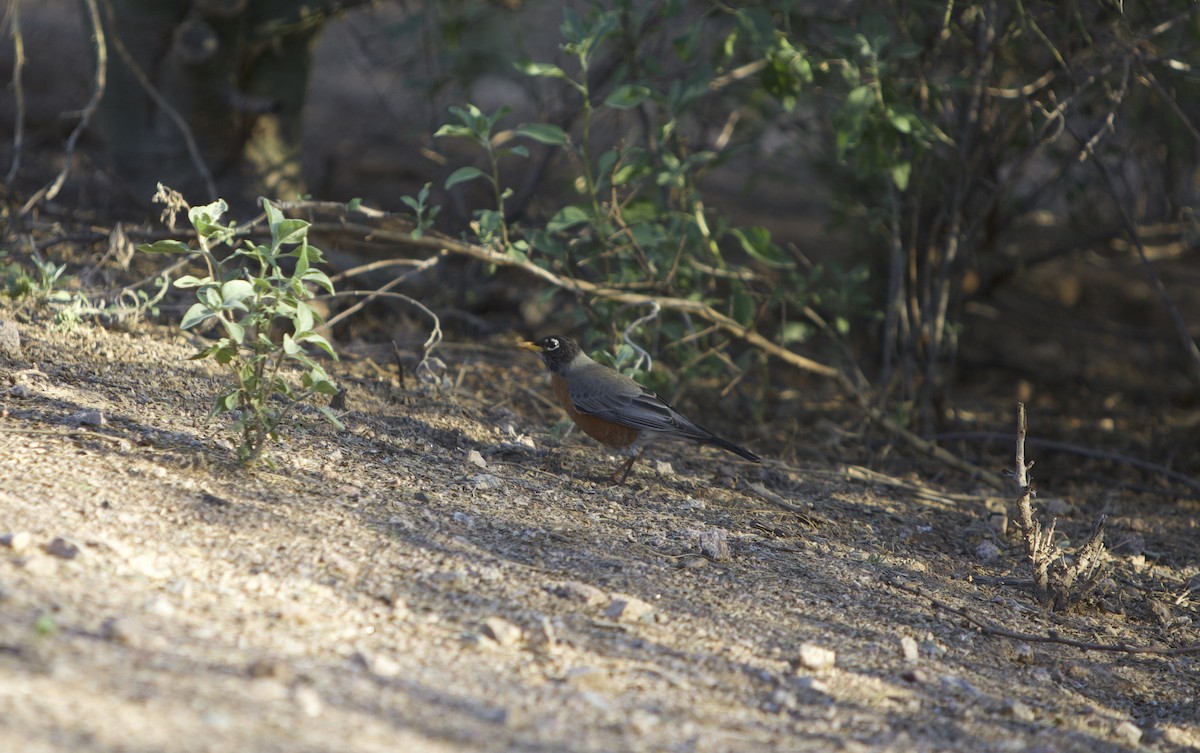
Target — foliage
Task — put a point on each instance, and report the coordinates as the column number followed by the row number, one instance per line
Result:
column 245, row 294
column 45, row 287
column 636, row 217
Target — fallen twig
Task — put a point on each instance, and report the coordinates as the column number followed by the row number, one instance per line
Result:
column 989, row 629
column 18, row 92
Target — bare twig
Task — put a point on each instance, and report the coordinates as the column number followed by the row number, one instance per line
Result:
column 18, row 91
column 99, row 83
column 428, row 362
column 382, row 291
column 989, row 629
column 1056, row 582
column 655, row 308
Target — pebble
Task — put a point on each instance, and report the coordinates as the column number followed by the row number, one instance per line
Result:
column 573, row 590
column 625, row 608
column 474, row 458
column 18, row 541
column 1129, row 732
column 816, row 657
column 501, row 631
column 987, row 551
column 589, row 678
column 1019, row 711
column 663, row 468
column 908, row 645
column 20, row 390
column 308, row 700
column 62, row 548
column 543, row 638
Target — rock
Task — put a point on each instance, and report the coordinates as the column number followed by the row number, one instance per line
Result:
column 87, row 417
column 501, row 631
column 625, row 608
column 18, row 541
column 485, row 482
column 663, row 468
column 714, row 543
column 308, row 700
column 62, row 548
column 987, row 551
column 914, row 676
column 908, row 645
column 1018, row 710
column 474, row 458
column 573, row 590
column 1128, row 732
column 377, row 664
column 543, row 638
column 816, row 657
column 20, row 390
column 10, row 340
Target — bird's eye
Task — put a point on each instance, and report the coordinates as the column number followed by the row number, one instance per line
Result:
column 552, row 343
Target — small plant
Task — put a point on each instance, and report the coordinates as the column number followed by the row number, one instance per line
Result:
column 244, row 294
column 425, row 214
column 20, row 283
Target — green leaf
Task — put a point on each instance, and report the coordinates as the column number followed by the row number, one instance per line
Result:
column 454, row 131
column 330, row 416
column 567, row 218
column 165, row 247
column 290, row 346
column 901, row 172
column 304, row 317
column 188, row 281
column 318, row 277
column 626, row 97
column 543, row 133
column 319, row 341
column 530, row 68
column 234, row 292
column 520, row 150
column 204, row 218
column 462, row 175
column 796, row 332
column 756, row 241
column 195, row 315
column 237, row 333
column 289, row 232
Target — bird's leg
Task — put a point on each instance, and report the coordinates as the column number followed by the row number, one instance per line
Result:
column 624, row 469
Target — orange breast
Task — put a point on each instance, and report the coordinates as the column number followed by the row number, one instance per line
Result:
column 599, row 429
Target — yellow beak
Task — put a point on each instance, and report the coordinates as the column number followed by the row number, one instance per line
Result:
column 530, row 346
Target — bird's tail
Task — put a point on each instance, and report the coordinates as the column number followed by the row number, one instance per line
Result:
column 716, row 441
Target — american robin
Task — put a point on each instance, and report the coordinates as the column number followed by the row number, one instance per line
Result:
column 612, row 408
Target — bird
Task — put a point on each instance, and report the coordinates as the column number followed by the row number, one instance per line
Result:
column 614, row 409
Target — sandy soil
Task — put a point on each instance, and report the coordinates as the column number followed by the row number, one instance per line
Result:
column 383, row 589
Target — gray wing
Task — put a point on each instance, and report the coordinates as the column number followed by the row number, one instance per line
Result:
column 617, row 398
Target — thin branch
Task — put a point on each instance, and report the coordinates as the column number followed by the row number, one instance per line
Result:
column 989, row 629
column 18, row 92
column 51, row 190
column 382, row 291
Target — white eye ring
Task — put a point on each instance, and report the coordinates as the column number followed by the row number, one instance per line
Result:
column 553, row 344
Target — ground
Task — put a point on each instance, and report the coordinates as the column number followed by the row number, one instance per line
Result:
column 383, row 588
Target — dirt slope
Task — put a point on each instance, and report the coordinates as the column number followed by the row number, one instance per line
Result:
column 380, row 591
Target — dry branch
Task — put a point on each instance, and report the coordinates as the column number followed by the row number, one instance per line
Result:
column 1057, row 584
column 989, row 629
